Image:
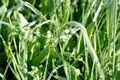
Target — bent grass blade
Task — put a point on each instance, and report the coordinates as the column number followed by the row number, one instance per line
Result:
column 92, row 51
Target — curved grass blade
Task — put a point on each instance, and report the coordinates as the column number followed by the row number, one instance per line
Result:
column 92, row 51
column 28, row 5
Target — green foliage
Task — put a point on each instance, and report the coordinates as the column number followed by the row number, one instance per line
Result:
column 59, row 40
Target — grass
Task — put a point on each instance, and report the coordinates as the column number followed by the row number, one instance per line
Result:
column 59, row 40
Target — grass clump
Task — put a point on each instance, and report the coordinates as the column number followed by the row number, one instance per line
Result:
column 59, row 40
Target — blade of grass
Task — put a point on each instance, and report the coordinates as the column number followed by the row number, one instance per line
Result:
column 1, row 75
column 111, row 25
column 53, row 71
column 28, row 5
column 114, row 13
column 46, row 68
column 92, row 52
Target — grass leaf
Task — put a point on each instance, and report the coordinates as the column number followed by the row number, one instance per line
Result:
column 92, row 52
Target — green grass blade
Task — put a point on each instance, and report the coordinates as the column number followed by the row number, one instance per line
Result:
column 92, row 52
